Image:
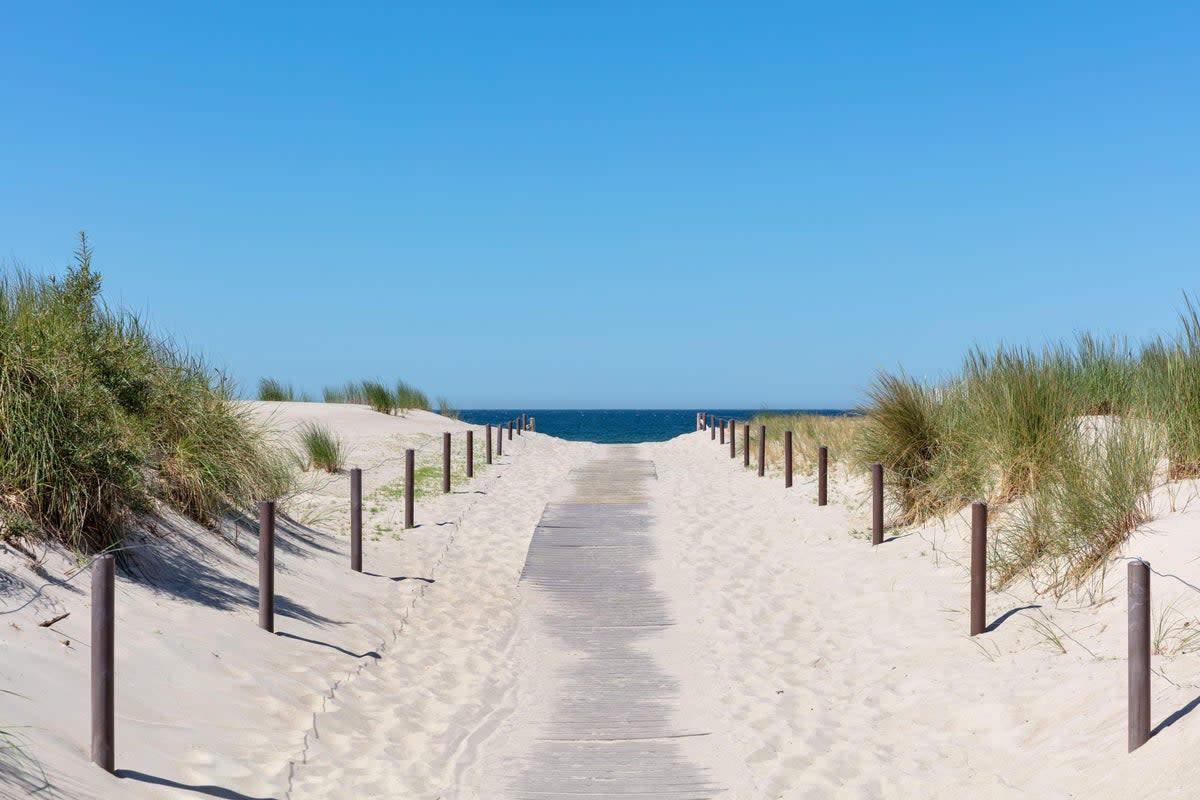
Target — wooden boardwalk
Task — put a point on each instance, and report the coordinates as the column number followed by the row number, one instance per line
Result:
column 603, row 721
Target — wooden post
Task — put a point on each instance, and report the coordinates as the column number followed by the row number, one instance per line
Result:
column 470, row 454
column 712, row 433
column 410, row 468
column 722, row 431
column 510, row 423
column 762, row 450
column 266, row 565
column 1139, row 654
column 103, row 671
column 533, row 424
column 488, row 436
column 823, row 475
column 787, row 459
column 979, row 515
column 746, row 445
column 356, row 519
column 446, row 463
column 876, row 503
column 500, row 439
column 732, row 439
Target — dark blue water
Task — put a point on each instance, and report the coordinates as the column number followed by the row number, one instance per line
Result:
column 618, row 426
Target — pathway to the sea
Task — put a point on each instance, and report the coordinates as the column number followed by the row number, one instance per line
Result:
column 601, row 709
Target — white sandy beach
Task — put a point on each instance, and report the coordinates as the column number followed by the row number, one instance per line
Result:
column 813, row 664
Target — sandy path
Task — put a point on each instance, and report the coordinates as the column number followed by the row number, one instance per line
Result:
column 408, row 723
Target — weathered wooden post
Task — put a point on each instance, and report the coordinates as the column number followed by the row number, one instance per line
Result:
column 446, row 463
column 410, row 468
column 712, row 433
column 520, row 424
column 356, row 519
column 470, row 454
column 722, row 431
column 746, row 445
column 1139, row 653
column 732, row 439
column 500, row 439
column 979, row 515
column 876, row 503
column 533, row 424
column 510, row 426
column 787, row 459
column 762, row 450
column 488, row 436
column 266, row 565
column 103, row 670
column 822, row 475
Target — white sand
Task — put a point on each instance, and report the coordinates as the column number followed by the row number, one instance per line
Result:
column 824, row 667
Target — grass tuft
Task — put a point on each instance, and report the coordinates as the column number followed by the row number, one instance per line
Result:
column 273, row 390
column 321, row 447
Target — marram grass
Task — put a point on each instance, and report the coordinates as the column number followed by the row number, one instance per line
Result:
column 1064, row 442
column 321, row 448
column 100, row 419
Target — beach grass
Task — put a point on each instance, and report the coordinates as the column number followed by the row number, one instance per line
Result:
column 1064, row 441
column 379, row 396
column 809, row 433
column 445, row 409
column 321, row 448
column 100, row 419
column 273, row 390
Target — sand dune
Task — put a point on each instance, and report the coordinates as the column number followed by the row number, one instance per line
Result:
column 816, row 665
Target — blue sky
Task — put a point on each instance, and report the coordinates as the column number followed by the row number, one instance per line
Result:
column 610, row 205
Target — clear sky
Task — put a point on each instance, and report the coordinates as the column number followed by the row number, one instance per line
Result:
column 609, row 205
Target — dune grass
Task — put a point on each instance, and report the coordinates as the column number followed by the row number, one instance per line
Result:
column 809, row 432
column 349, row 393
column 408, row 396
column 273, row 390
column 445, row 409
column 1064, row 440
column 100, row 419
column 379, row 396
column 321, row 448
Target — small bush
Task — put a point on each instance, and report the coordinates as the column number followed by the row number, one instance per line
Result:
column 321, row 447
column 271, row 389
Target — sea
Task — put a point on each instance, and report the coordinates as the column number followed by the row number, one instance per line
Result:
column 622, row 426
